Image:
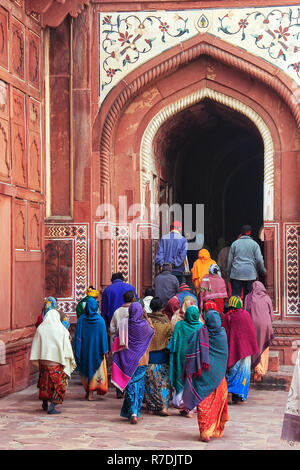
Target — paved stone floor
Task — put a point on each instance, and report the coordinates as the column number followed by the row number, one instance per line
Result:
column 97, row 425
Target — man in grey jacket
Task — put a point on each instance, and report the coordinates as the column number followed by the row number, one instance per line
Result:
column 244, row 262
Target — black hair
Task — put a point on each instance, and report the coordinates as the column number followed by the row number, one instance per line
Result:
column 128, row 296
column 156, row 304
column 246, row 229
column 149, row 292
column 117, row 276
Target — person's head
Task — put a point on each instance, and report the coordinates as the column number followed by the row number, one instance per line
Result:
column 192, row 314
column 204, row 254
column 172, row 306
column 156, row 304
column 50, row 303
column 91, row 306
column 210, row 305
column 128, row 297
column 135, row 311
column 92, row 292
column 235, row 302
column 214, row 269
column 246, row 230
column 187, row 302
column 166, row 267
column 149, row 292
column 116, row 276
column 141, row 302
column 184, row 287
column 213, row 322
column 258, row 288
column 176, row 225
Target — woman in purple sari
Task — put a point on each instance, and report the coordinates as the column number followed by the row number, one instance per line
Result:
column 130, row 363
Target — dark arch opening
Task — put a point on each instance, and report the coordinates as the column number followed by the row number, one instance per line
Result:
column 213, row 155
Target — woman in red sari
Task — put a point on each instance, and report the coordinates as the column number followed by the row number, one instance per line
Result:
column 205, row 383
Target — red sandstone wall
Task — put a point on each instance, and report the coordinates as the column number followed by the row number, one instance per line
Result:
column 21, row 188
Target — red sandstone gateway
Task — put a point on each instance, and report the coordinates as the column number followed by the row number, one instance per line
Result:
column 106, row 100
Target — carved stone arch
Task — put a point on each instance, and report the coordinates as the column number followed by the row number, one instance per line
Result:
column 146, row 149
column 168, row 62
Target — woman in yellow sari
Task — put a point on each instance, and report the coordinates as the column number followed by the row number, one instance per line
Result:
column 201, row 267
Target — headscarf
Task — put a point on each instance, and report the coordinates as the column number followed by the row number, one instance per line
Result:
column 210, row 305
column 214, row 269
column 162, row 331
column 187, row 302
column 91, row 292
column 260, row 307
column 171, row 307
column 240, row 335
column 90, row 340
column 198, row 386
column 52, row 343
column 200, row 267
column 49, row 304
column 147, row 301
column 235, row 302
column 125, row 361
column 178, row 344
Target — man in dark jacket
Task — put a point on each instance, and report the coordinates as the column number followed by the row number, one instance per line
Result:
column 165, row 284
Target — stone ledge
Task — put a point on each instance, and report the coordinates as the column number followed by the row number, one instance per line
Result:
column 280, row 380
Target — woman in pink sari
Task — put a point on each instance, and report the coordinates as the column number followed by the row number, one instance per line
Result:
column 213, row 287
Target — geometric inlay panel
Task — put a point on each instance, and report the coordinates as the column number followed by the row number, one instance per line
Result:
column 68, row 255
column 292, row 245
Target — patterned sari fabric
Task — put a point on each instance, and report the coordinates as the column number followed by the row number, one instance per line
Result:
column 238, row 378
column 204, row 371
column 212, row 413
column 99, row 382
column 134, row 394
column 52, row 383
column 157, row 387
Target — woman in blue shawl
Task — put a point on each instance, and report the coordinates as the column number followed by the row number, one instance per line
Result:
column 205, row 381
column 90, row 347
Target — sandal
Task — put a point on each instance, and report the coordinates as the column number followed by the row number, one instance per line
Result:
column 163, row 412
column 133, row 419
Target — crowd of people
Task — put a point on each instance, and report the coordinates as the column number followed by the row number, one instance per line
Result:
column 192, row 348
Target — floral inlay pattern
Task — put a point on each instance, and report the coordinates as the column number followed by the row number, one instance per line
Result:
column 127, row 40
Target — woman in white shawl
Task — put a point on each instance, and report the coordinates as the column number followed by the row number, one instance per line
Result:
column 52, row 352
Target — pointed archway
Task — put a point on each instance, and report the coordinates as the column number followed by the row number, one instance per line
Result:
column 203, row 68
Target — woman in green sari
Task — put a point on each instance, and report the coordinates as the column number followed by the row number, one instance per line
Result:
column 177, row 347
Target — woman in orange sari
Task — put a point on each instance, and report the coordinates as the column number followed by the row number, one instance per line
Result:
column 201, row 267
column 205, row 383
